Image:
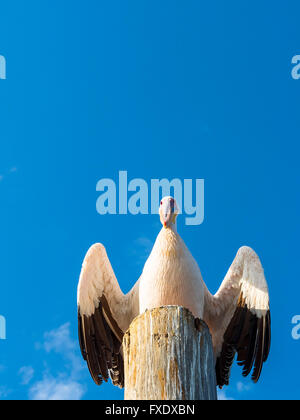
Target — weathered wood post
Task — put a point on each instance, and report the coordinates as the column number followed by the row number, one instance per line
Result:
column 168, row 357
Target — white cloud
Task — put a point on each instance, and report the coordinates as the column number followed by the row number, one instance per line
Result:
column 141, row 250
column 59, row 340
column 3, row 392
column 10, row 171
column 241, row 387
column 222, row 396
column 27, row 373
column 50, row 388
column 65, row 385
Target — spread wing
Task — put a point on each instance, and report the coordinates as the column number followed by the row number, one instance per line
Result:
column 239, row 317
column 104, row 314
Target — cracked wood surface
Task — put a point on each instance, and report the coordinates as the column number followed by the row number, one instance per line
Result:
column 168, row 355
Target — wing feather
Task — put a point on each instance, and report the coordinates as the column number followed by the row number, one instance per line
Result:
column 104, row 314
column 239, row 318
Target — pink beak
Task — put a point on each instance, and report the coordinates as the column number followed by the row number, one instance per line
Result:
column 167, row 212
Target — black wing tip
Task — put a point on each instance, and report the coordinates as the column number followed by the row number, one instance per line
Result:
column 249, row 336
column 100, row 348
column 80, row 335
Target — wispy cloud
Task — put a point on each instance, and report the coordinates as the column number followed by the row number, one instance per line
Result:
column 222, row 395
column 59, row 339
column 50, row 388
column 241, row 387
column 11, row 170
column 26, row 373
column 4, row 391
column 145, row 244
column 141, row 249
column 64, row 385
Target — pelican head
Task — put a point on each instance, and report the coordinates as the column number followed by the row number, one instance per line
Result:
column 168, row 212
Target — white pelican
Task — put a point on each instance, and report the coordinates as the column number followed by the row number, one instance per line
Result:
column 238, row 315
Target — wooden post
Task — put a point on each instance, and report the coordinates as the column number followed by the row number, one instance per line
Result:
column 168, row 355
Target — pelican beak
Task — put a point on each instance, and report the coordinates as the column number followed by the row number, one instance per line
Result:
column 168, row 215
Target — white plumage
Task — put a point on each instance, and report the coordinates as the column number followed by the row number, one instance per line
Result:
column 238, row 315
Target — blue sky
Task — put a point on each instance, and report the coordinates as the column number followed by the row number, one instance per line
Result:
column 159, row 89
